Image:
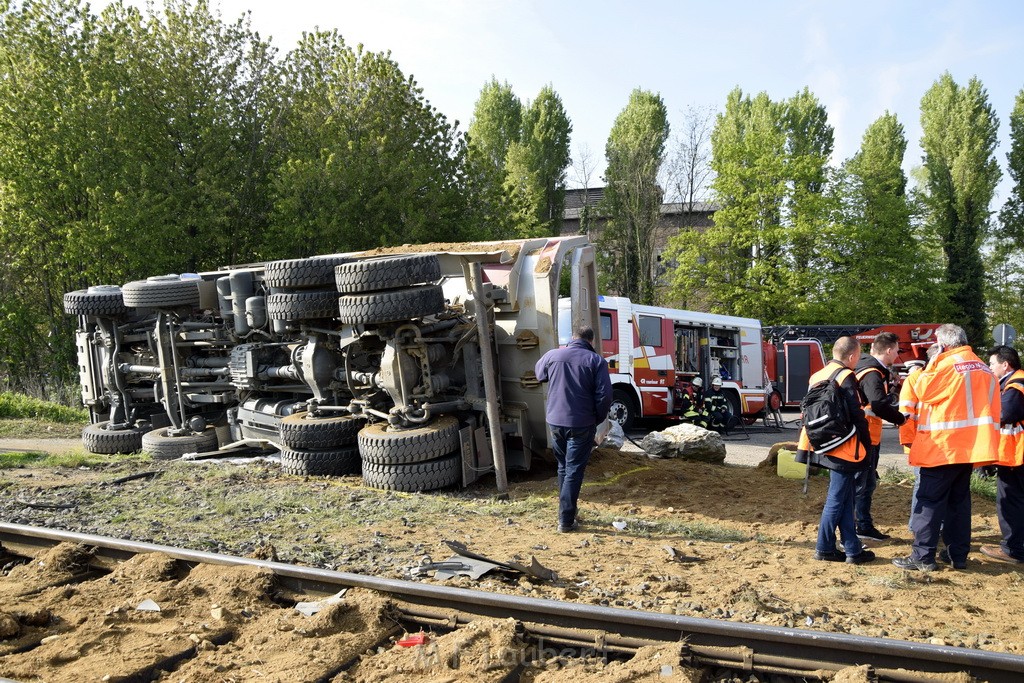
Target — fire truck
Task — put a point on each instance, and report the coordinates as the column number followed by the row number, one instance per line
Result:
column 792, row 353
column 655, row 353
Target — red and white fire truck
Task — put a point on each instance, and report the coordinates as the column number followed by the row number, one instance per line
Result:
column 654, row 354
column 792, row 353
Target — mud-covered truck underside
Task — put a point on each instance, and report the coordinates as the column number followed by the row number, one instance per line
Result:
column 413, row 365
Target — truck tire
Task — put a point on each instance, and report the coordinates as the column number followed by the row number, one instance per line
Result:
column 391, row 272
column 97, row 438
column 422, row 476
column 379, row 446
column 160, row 293
column 624, row 409
column 104, row 301
column 302, row 305
column 303, row 273
column 163, row 447
column 333, row 463
column 389, row 307
column 734, row 406
column 301, row 432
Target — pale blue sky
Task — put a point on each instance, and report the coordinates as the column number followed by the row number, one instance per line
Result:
column 859, row 58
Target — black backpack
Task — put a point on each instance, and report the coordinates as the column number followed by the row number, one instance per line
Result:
column 826, row 415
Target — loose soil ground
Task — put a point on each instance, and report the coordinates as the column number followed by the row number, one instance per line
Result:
column 722, row 541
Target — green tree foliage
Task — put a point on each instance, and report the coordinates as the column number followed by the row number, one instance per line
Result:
column 959, row 138
column 883, row 266
column 365, row 160
column 742, row 265
column 635, row 150
column 128, row 146
column 545, row 140
column 497, row 123
column 1005, row 269
column 809, row 144
column 520, row 155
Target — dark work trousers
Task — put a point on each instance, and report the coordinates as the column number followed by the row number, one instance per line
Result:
column 943, row 507
column 865, row 483
column 572, row 447
column 1010, row 509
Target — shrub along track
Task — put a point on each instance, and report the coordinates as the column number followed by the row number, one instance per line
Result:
column 237, row 617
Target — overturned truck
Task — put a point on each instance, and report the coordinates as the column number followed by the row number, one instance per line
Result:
column 412, row 365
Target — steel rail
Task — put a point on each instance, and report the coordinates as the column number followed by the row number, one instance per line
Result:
column 743, row 646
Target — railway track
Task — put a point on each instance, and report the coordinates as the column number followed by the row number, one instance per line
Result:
column 563, row 627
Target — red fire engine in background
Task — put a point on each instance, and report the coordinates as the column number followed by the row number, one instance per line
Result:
column 792, row 353
column 654, row 354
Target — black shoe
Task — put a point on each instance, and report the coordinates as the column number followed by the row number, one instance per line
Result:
column 944, row 558
column 562, row 529
column 863, row 557
column 912, row 565
column 870, row 533
column 830, row 556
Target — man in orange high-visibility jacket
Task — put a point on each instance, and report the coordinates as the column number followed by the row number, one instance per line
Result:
column 873, row 376
column 843, row 461
column 953, row 413
column 1005, row 364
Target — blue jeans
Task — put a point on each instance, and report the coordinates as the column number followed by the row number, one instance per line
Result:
column 838, row 512
column 866, row 483
column 942, row 509
column 572, row 447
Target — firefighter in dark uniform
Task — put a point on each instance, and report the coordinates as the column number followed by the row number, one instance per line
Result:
column 716, row 406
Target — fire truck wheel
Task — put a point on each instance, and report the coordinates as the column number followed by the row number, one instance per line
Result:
column 389, row 307
column 97, row 438
column 104, row 301
column 734, row 405
column 301, row 432
column 379, row 446
column 303, row 273
column 161, row 293
column 422, row 476
column 303, row 305
column 332, row 463
column 163, row 447
column 623, row 410
column 391, row 272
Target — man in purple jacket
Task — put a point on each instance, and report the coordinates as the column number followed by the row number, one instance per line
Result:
column 579, row 396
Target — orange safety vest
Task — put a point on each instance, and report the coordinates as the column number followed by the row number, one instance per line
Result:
column 851, row 449
column 952, row 410
column 874, row 422
column 1011, row 436
column 910, row 409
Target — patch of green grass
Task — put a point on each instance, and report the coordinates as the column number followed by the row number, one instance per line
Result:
column 896, row 475
column 12, row 460
column 73, row 459
column 32, row 428
column 20, row 406
column 983, row 486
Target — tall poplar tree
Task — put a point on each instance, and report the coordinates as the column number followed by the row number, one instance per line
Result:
column 959, row 129
column 635, row 151
column 1006, row 264
column 874, row 241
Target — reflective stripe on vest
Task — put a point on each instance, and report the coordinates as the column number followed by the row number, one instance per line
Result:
column 958, row 412
column 1011, row 436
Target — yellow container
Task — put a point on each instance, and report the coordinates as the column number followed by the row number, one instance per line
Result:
column 787, row 467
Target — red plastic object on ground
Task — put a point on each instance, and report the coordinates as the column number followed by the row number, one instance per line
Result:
column 414, row 639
